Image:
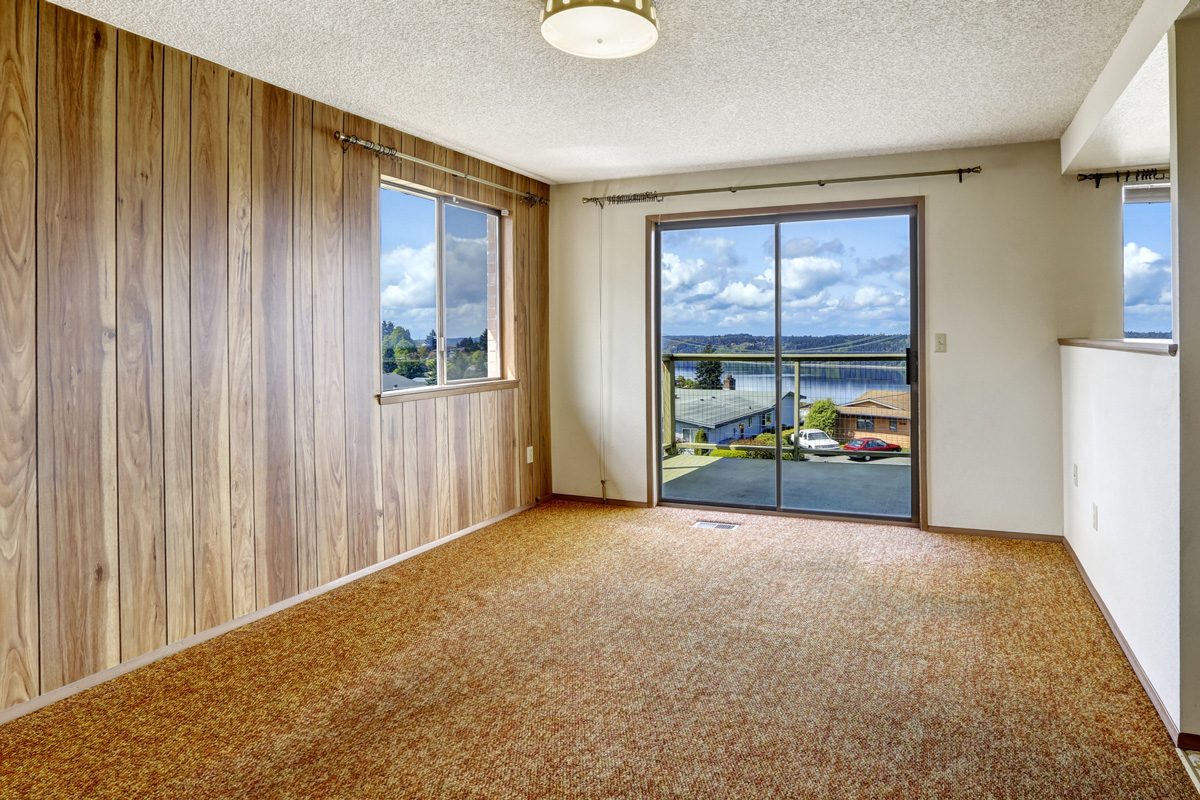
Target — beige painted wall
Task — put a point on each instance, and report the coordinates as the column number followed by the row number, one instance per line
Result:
column 1132, row 553
column 1016, row 257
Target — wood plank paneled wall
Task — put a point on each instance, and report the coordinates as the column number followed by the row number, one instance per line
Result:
column 189, row 351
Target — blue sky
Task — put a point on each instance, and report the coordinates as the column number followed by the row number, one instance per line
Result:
column 408, row 278
column 839, row 276
column 1148, row 267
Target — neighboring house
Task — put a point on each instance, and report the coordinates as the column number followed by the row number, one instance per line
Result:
column 727, row 414
column 394, row 383
column 882, row 413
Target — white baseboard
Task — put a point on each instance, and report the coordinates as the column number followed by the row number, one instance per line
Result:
column 95, row 679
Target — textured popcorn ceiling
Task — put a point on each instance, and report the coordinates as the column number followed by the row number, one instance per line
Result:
column 731, row 82
column 1136, row 131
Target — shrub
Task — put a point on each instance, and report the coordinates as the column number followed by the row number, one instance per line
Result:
column 722, row 453
column 822, row 415
column 700, row 437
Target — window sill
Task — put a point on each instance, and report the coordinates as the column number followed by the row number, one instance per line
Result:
column 407, row 395
column 1153, row 347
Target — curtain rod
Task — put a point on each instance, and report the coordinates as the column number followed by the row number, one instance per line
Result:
column 348, row 139
column 655, row 197
column 1127, row 176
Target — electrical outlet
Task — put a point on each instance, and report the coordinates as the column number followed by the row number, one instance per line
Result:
column 939, row 342
column 1076, row 475
column 529, row 454
column 1095, row 517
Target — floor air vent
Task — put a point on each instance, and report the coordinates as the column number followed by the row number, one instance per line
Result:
column 716, row 526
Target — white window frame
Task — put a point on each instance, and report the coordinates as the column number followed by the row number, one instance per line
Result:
column 440, row 349
column 1143, row 193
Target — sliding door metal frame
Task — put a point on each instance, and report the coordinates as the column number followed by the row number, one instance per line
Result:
column 909, row 207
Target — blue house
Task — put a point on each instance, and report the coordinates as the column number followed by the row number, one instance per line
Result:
column 726, row 415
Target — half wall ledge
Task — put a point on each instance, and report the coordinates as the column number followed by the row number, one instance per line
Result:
column 1153, row 347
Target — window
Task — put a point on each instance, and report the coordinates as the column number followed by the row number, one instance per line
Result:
column 1148, row 280
column 893, row 425
column 439, row 289
column 866, row 424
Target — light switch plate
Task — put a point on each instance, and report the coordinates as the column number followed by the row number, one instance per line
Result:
column 939, row 342
column 529, row 454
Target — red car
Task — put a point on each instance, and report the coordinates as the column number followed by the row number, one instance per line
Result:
column 863, row 448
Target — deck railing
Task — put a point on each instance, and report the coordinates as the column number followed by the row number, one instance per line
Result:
column 896, row 365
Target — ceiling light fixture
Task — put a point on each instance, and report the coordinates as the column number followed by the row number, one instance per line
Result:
column 601, row 28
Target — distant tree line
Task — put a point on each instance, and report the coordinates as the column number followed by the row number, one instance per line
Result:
column 404, row 355
column 750, row 343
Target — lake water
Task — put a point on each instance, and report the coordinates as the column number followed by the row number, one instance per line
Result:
column 840, row 384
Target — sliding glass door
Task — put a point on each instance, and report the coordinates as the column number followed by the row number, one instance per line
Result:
column 787, row 362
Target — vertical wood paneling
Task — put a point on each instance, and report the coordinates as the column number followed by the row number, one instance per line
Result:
column 410, row 482
column 177, row 344
column 512, row 451
column 426, row 437
column 302, row 352
column 364, row 488
column 522, row 327
column 18, row 354
column 189, row 352
column 77, row 469
column 329, row 352
column 479, row 502
column 241, row 334
column 444, row 481
column 392, row 421
column 210, row 344
column 491, row 460
column 141, row 513
column 273, row 326
column 461, row 473
column 539, row 370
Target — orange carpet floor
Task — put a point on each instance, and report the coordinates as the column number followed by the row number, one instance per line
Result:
column 579, row 651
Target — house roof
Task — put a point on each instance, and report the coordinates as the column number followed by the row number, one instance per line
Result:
column 712, row 408
column 885, row 403
column 392, row 382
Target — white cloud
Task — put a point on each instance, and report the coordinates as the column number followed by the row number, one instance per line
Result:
column 826, row 288
column 409, row 277
column 679, row 274
column 1147, row 277
column 722, row 251
column 808, row 275
column 408, row 293
column 746, row 295
column 873, row 297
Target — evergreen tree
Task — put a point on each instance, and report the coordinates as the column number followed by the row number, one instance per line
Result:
column 708, row 373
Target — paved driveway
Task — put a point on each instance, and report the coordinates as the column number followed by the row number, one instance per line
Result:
column 835, row 486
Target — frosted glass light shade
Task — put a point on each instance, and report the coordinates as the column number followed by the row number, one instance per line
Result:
column 601, row 28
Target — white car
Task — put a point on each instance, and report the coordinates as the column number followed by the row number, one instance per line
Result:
column 815, row 439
